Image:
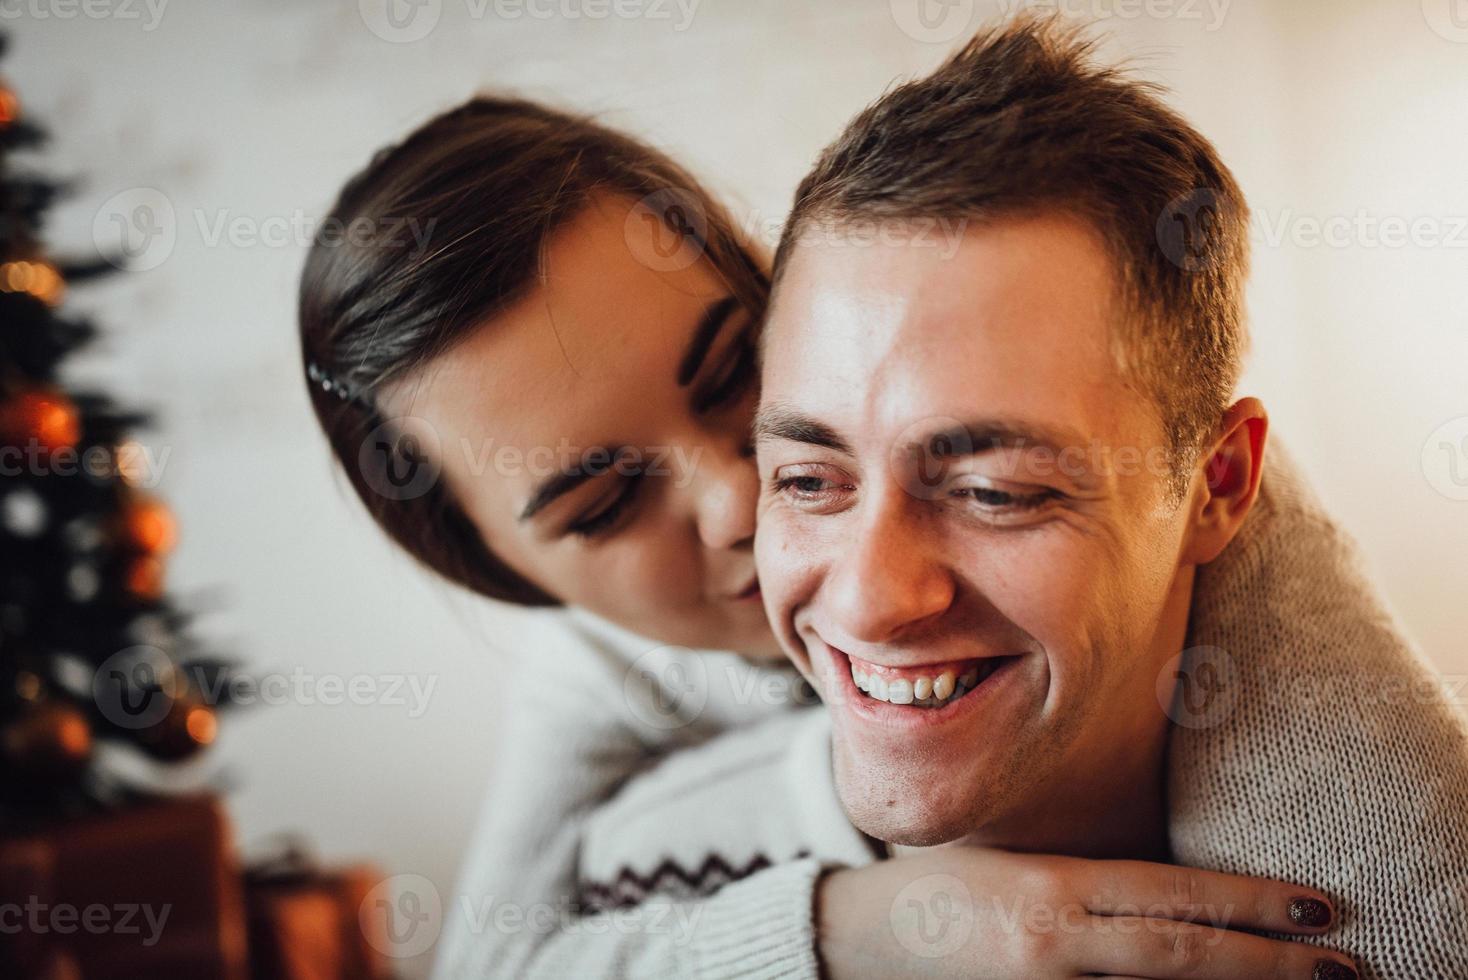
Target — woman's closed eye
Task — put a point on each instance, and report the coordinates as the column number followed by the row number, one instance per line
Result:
column 609, row 512
column 733, row 377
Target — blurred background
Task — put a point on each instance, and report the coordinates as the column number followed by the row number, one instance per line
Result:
column 1345, row 121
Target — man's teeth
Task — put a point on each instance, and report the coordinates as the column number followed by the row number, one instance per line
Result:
column 925, row 692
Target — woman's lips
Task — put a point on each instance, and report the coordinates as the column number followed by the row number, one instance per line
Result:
column 748, row 593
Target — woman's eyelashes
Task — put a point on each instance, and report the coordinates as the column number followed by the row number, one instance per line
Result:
column 729, row 383
column 733, row 378
column 607, row 516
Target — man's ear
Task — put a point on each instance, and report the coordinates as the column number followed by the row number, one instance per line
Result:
column 1229, row 484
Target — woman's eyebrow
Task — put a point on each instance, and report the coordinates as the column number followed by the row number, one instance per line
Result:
column 559, row 484
column 553, row 488
column 714, row 317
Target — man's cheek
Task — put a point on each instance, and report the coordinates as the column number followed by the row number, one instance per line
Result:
column 786, row 555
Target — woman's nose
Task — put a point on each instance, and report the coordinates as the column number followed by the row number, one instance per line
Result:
column 725, row 484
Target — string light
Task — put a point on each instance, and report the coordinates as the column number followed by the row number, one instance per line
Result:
column 39, row 279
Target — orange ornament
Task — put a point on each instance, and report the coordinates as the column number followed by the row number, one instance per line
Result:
column 9, row 107
column 189, row 726
column 51, row 740
column 150, row 526
column 49, row 418
column 145, row 578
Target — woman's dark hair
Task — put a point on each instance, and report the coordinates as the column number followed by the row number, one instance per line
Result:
column 437, row 235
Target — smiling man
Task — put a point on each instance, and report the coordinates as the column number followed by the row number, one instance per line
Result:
column 1019, row 530
column 990, row 476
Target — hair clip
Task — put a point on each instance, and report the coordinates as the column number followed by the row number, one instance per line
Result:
column 329, row 384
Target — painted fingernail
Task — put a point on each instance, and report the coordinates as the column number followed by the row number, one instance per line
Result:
column 1331, row 970
column 1309, row 912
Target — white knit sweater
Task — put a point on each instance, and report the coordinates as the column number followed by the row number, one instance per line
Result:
column 578, row 719
column 1328, row 754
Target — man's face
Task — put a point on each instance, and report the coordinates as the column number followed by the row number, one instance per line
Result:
column 963, row 503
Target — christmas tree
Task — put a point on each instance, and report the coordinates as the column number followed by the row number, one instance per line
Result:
column 91, row 649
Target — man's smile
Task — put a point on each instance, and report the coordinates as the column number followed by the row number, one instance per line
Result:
column 928, row 686
column 924, row 694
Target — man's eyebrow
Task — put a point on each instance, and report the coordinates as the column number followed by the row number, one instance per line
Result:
column 780, row 421
column 777, row 421
column 557, row 485
column 982, row 435
column 703, row 338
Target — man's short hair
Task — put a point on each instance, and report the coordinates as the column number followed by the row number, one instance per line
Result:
column 1021, row 121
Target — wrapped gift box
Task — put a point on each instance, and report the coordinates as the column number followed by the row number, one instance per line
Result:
column 145, row 891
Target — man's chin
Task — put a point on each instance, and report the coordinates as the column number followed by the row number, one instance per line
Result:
column 913, row 813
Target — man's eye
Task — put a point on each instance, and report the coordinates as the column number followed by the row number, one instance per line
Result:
column 1003, row 500
column 806, row 487
column 604, row 520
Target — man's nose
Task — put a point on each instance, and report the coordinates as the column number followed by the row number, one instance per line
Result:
column 888, row 576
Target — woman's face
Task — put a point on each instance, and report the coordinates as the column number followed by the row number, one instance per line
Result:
column 597, row 433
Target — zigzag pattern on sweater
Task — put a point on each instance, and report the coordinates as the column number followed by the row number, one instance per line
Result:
column 671, row 879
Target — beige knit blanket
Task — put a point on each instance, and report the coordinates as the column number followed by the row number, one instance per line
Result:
column 1313, row 743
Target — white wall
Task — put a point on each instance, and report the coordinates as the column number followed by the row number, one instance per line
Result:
column 258, row 111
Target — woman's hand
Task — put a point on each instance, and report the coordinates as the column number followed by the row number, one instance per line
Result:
column 979, row 913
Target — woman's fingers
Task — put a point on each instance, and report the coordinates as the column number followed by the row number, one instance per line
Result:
column 1167, row 949
column 1209, row 898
